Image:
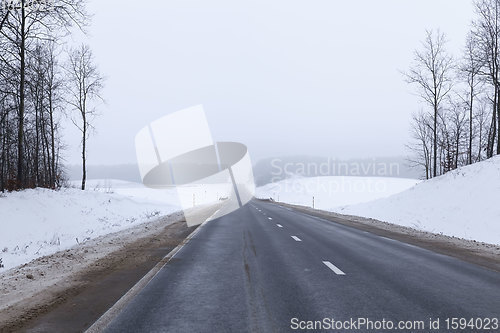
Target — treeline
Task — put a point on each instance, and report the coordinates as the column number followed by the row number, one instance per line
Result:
column 40, row 83
column 461, row 123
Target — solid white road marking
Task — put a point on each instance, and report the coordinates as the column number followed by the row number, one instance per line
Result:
column 297, row 239
column 333, row 268
column 279, row 225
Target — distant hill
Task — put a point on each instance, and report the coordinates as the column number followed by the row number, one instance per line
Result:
column 275, row 169
column 128, row 172
column 278, row 168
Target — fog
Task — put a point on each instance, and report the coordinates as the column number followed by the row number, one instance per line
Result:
column 287, row 77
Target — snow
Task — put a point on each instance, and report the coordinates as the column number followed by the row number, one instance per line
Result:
column 185, row 196
column 463, row 203
column 333, row 191
column 40, row 222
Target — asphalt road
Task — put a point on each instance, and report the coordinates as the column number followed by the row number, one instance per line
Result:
column 259, row 267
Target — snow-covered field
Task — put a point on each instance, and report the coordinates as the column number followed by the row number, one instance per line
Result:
column 331, row 192
column 463, row 203
column 40, row 222
column 194, row 195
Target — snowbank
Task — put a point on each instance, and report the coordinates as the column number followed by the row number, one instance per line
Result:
column 330, row 192
column 39, row 222
column 463, row 203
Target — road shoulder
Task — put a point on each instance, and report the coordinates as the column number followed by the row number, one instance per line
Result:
column 69, row 290
column 479, row 253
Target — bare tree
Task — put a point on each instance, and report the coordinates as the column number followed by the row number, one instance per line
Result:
column 486, row 31
column 44, row 90
column 469, row 71
column 85, row 85
column 456, row 118
column 23, row 24
column 481, row 119
column 431, row 72
column 421, row 147
column 54, row 86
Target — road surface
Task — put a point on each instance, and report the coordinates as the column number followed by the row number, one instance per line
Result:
column 267, row 268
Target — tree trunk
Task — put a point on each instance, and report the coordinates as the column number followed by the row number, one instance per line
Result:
column 84, row 141
column 52, row 142
column 480, row 145
column 37, row 141
column 492, row 130
column 434, row 171
column 498, row 128
column 426, row 163
column 471, row 109
column 2, row 164
column 493, row 122
column 20, row 134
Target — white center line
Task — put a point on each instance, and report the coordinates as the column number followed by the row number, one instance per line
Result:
column 269, row 218
column 279, row 225
column 333, row 268
column 297, row 239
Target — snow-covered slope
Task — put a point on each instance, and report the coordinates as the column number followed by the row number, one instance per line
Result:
column 39, row 222
column 463, row 203
column 330, row 192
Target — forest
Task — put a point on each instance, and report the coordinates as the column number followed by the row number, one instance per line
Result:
column 43, row 80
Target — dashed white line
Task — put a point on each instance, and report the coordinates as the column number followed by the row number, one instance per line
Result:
column 297, row 239
column 269, row 218
column 334, row 268
column 279, row 225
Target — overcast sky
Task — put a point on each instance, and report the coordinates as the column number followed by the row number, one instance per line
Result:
column 317, row 77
